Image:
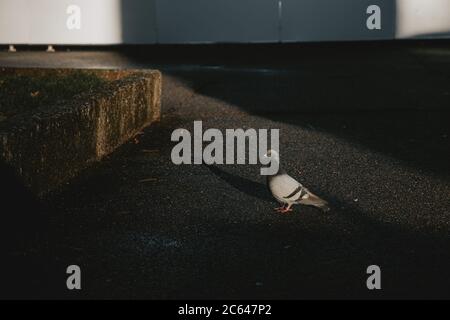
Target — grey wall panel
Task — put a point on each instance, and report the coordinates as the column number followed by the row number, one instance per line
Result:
column 194, row 21
column 138, row 19
column 334, row 20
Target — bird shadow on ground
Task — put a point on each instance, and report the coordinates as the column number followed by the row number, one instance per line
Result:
column 373, row 228
column 249, row 187
column 259, row 190
column 253, row 188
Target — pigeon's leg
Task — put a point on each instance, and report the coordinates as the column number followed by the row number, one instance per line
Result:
column 280, row 208
column 287, row 209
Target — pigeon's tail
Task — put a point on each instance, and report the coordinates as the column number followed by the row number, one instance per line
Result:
column 313, row 200
column 324, row 206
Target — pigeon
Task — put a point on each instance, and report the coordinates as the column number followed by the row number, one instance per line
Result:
column 289, row 191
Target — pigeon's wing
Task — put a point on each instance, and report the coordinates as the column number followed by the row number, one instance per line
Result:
column 285, row 187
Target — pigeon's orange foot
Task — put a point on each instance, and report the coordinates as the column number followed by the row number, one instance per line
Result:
column 285, row 210
column 279, row 208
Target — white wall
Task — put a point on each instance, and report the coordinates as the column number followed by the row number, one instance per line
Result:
column 14, row 21
column 203, row 21
column 44, row 21
column 423, row 18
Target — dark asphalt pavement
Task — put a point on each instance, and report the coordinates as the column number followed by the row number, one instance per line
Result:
column 364, row 126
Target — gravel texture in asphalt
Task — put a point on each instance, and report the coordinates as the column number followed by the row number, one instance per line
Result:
column 364, row 126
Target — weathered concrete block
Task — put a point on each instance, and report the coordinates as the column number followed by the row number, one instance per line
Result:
column 49, row 146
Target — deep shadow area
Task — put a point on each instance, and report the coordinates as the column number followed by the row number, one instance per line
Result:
column 27, row 268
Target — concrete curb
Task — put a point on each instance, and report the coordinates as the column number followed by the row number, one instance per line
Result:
column 50, row 146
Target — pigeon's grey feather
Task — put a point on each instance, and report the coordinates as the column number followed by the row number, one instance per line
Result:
column 299, row 192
